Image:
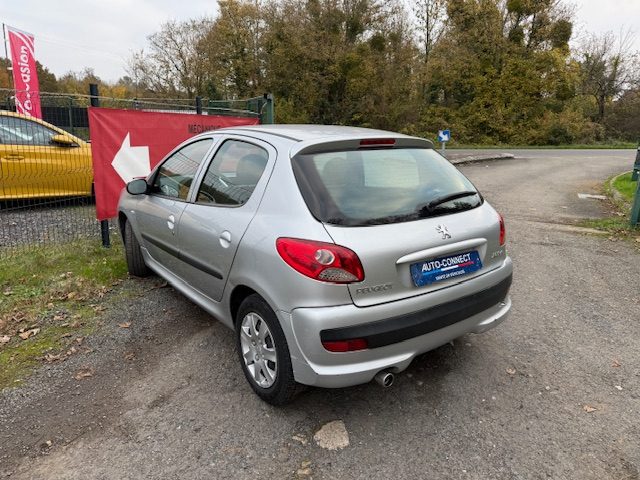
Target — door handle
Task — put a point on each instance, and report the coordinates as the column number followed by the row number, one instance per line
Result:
column 13, row 157
column 171, row 222
column 225, row 239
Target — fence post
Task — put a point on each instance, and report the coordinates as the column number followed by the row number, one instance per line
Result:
column 267, row 115
column 70, row 115
column 104, row 224
column 199, row 105
column 636, row 165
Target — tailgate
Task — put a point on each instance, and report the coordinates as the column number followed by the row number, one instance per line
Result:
column 387, row 253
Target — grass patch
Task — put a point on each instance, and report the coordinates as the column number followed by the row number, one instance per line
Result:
column 618, row 226
column 18, row 360
column 57, row 290
column 625, row 186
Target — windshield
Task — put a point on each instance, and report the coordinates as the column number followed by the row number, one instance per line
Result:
column 378, row 186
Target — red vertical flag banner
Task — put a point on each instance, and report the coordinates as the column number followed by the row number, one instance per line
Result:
column 25, row 77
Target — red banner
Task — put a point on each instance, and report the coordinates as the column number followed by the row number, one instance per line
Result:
column 126, row 144
column 25, row 77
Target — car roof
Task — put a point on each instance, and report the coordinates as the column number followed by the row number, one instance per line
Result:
column 305, row 133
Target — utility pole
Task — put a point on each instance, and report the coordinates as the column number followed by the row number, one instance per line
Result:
column 6, row 55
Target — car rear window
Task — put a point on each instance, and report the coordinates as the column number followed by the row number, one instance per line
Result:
column 379, row 186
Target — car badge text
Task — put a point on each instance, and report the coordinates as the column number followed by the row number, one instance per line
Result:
column 442, row 230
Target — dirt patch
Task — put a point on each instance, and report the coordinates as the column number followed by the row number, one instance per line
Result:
column 85, row 392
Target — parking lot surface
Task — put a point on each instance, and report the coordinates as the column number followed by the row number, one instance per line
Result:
column 554, row 392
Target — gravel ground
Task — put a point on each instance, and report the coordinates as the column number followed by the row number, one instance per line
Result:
column 554, row 392
column 53, row 223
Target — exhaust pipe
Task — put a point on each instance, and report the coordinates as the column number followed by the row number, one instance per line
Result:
column 384, row 378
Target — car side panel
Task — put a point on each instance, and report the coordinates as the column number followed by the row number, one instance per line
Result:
column 210, row 235
column 37, row 171
column 158, row 221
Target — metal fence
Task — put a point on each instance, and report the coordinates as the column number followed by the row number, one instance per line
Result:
column 46, row 175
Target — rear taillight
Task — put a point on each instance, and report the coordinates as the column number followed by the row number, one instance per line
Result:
column 346, row 345
column 322, row 261
column 503, row 232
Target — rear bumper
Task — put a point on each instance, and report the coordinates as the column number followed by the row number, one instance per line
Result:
column 397, row 329
column 396, row 332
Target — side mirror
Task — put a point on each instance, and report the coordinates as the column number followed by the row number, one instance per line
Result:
column 138, row 186
column 63, row 141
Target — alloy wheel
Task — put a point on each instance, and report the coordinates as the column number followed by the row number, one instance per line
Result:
column 258, row 350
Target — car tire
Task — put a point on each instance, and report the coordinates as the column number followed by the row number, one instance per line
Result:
column 135, row 261
column 263, row 352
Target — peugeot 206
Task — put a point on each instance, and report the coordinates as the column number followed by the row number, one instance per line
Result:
column 337, row 254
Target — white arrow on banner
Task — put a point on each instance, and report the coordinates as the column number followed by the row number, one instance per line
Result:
column 131, row 162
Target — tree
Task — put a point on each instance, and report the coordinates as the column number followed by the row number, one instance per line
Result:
column 494, row 71
column 234, row 49
column 498, row 67
column 537, row 24
column 608, row 68
column 46, row 79
column 78, row 82
column 430, row 24
column 340, row 61
column 5, row 74
column 175, row 63
column 623, row 119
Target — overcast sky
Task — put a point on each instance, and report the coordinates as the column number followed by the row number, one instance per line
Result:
column 73, row 34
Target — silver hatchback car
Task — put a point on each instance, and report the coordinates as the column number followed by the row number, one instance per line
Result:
column 337, row 254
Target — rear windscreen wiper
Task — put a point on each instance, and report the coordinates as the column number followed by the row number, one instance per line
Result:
column 444, row 199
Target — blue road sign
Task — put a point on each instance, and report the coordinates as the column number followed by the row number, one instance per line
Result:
column 444, row 135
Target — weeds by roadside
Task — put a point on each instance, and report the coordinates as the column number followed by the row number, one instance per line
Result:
column 50, row 298
column 618, row 226
column 625, row 186
column 620, row 190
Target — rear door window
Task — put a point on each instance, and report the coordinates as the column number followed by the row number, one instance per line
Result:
column 233, row 174
column 370, row 187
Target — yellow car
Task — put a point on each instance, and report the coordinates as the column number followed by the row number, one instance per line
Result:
column 39, row 160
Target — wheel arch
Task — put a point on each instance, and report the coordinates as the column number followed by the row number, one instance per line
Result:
column 122, row 220
column 239, row 293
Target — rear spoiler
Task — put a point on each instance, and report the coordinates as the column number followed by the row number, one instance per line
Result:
column 364, row 143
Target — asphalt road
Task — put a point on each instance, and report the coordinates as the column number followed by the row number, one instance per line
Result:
column 167, row 398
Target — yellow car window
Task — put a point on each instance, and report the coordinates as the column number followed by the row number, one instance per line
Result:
column 18, row 131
